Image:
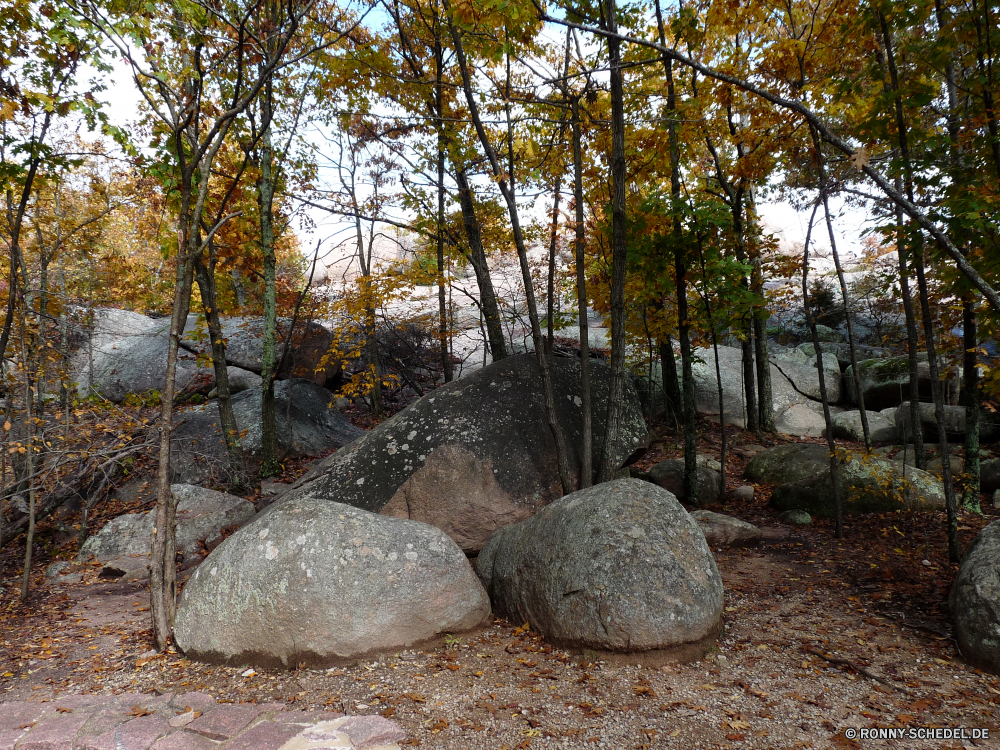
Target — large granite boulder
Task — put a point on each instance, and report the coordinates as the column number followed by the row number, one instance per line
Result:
column 126, row 353
column 788, row 463
column 826, row 334
column 492, row 425
column 133, row 359
column 954, row 423
column 792, row 384
column 314, row 581
column 847, row 426
column 725, row 531
column 885, row 382
column 989, row 475
column 244, row 336
column 975, row 601
column 619, row 567
column 841, row 352
column 202, row 516
column 308, row 426
column 669, row 474
column 803, row 420
column 867, row 485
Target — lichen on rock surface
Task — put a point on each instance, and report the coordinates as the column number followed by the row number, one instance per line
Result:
column 320, row 582
column 619, row 567
column 493, row 421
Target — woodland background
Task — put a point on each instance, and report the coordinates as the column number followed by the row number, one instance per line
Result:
column 612, row 156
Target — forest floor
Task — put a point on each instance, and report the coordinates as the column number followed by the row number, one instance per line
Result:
column 822, row 636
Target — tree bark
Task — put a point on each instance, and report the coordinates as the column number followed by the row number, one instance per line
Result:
column 970, row 340
column 619, row 250
column 269, row 465
column 838, row 500
column 446, row 365
column 587, row 431
column 477, row 257
column 689, row 417
column 912, row 340
column 848, row 317
column 163, row 575
column 504, row 182
column 227, row 418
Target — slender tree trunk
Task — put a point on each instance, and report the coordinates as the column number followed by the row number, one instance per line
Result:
column 507, row 190
column 689, row 417
column 848, row 316
column 918, row 260
column 751, row 412
column 550, row 291
column 227, row 418
column 954, row 552
column 671, row 385
column 912, row 341
column 30, row 462
column 269, row 465
column 446, row 365
column 838, row 500
column 587, row 440
column 163, row 577
column 618, row 250
column 477, row 257
column 718, row 368
column 970, row 341
column 765, row 399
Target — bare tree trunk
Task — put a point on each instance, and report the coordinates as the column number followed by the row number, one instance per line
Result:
column 446, row 365
column 918, row 260
column 689, row 417
column 227, row 418
column 752, row 414
column 269, row 465
column 912, row 339
column 551, row 285
column 970, row 390
column 954, row 553
column 507, row 190
column 30, row 460
column 619, row 249
column 477, row 257
column 838, row 500
column 163, row 576
column 765, row 398
column 848, row 316
column 587, row 440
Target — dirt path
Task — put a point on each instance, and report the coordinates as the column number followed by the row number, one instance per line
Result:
column 821, row 637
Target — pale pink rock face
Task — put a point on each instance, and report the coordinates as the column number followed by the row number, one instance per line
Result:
column 109, row 722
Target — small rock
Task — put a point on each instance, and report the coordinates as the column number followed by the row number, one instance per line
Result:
column 56, row 568
column 744, row 493
column 996, row 499
column 725, row 531
column 795, row 518
column 69, row 579
column 182, row 720
column 669, row 474
column 925, row 563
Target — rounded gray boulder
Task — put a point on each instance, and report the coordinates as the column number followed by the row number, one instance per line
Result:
column 975, row 601
column 617, row 567
column 320, row 582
